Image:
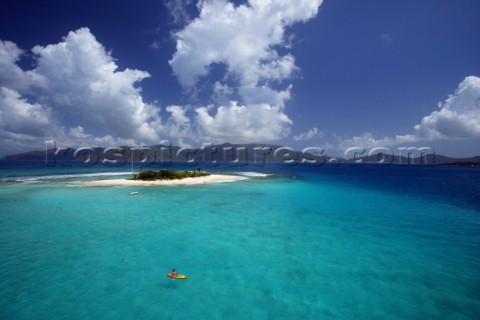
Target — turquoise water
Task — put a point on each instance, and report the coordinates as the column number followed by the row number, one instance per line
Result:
column 301, row 243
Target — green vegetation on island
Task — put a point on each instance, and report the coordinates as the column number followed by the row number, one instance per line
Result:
column 151, row 175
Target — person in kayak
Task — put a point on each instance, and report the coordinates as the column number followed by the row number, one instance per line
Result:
column 174, row 273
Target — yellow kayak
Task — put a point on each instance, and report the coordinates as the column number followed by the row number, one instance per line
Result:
column 178, row 276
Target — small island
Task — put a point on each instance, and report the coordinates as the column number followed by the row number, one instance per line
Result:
column 165, row 178
column 151, row 175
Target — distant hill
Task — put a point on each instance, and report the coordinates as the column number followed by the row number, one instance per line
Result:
column 30, row 155
column 227, row 152
column 429, row 159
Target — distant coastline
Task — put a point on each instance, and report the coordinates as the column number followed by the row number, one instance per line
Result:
column 459, row 163
column 235, row 154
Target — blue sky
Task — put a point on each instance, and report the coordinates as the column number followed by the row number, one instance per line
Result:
column 332, row 74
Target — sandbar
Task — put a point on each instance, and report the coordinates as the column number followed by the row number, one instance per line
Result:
column 213, row 178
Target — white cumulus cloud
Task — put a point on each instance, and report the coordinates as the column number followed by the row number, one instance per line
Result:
column 242, row 123
column 18, row 117
column 241, row 37
column 76, row 93
column 11, row 75
column 245, row 39
column 83, row 81
column 310, row 134
column 76, row 96
column 458, row 118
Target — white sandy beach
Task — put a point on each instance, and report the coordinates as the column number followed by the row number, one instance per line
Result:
column 213, row 178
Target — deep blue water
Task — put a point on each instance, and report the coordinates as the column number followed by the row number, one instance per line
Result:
column 345, row 242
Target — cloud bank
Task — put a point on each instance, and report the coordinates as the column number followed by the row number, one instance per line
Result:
column 457, row 119
column 245, row 39
column 75, row 95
